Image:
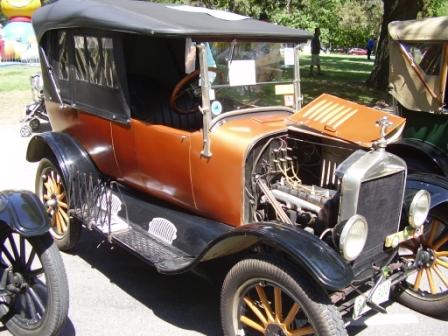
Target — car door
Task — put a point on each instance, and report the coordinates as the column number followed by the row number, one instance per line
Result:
column 155, row 159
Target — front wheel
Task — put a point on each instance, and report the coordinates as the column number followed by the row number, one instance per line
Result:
column 265, row 296
column 426, row 290
column 37, row 285
column 52, row 190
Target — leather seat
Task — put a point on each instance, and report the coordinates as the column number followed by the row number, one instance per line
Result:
column 150, row 103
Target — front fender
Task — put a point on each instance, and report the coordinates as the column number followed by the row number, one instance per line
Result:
column 420, row 156
column 436, row 185
column 323, row 263
column 24, row 213
column 63, row 148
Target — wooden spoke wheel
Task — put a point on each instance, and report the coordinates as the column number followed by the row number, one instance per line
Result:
column 51, row 188
column 55, row 200
column 36, row 290
column 426, row 290
column 266, row 297
column 269, row 317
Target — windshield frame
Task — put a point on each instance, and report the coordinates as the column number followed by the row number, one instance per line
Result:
column 205, row 93
column 207, row 88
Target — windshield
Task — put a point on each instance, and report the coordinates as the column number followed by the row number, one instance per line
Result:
column 250, row 74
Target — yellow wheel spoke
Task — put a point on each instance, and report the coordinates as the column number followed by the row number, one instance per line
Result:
column 308, row 330
column 440, row 242
column 57, row 223
column 64, row 215
column 62, row 225
column 61, row 196
column 64, row 220
column 442, row 263
column 442, row 254
column 47, row 186
column 418, row 279
column 264, row 302
column 46, row 197
column 254, row 325
column 62, row 205
column 432, row 232
column 432, row 285
column 250, row 303
column 278, row 304
column 291, row 315
column 441, row 276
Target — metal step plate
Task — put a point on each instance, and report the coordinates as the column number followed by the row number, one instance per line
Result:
column 165, row 258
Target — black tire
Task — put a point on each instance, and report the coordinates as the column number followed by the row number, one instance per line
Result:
column 280, row 283
column 50, row 298
column 34, row 124
column 66, row 231
column 418, row 294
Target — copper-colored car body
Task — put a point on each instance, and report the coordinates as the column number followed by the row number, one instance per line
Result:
column 167, row 162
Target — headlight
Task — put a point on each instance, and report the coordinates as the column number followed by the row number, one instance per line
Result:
column 419, row 208
column 351, row 236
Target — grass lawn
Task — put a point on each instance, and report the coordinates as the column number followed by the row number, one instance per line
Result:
column 16, row 77
column 344, row 76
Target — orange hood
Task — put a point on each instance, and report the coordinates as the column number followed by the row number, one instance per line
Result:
column 339, row 118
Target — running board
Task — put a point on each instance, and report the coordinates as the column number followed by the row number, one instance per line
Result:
column 165, row 236
column 166, row 259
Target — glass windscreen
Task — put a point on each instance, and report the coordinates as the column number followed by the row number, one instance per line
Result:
column 250, row 74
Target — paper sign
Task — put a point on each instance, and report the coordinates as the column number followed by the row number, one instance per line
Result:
column 288, row 100
column 242, row 72
column 288, row 55
column 284, row 89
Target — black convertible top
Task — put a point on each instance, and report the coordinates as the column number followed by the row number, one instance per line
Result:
column 158, row 19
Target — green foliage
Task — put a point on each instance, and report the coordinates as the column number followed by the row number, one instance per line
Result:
column 343, row 23
column 435, row 8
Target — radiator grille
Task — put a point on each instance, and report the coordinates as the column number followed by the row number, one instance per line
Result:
column 380, row 202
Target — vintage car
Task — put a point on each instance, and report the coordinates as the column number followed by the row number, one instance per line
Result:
column 179, row 134
column 418, row 82
column 33, row 284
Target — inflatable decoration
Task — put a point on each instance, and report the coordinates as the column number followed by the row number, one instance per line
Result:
column 19, row 42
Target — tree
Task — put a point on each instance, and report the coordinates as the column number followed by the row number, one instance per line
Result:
column 393, row 10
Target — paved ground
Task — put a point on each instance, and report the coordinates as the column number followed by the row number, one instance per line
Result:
column 113, row 293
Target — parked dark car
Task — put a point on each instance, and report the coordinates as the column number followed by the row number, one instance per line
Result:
column 33, row 284
column 179, row 134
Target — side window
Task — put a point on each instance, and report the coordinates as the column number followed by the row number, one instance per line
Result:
column 94, row 61
column 109, row 70
column 427, row 56
column 61, row 57
column 80, row 58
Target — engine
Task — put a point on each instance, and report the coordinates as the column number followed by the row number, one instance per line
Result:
column 331, row 189
column 296, row 177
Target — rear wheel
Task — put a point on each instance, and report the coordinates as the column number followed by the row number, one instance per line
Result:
column 426, row 290
column 37, row 285
column 51, row 189
column 265, row 296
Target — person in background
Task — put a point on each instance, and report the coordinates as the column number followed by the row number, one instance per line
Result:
column 315, row 51
column 371, row 43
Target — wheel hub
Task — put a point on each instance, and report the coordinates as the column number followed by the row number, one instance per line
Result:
column 52, row 203
column 19, row 282
column 274, row 329
column 425, row 257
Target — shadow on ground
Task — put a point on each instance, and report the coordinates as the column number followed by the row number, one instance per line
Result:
column 186, row 301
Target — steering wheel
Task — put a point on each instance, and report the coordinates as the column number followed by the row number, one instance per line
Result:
column 188, row 87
